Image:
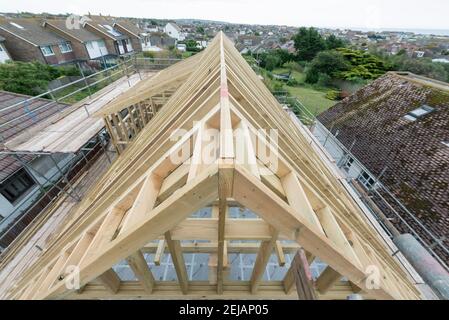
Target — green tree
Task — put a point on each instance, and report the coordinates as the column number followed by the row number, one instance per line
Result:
column 332, row 42
column 329, row 63
column 308, row 42
column 30, row 78
column 200, row 30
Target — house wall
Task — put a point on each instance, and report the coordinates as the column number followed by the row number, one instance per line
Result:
column 135, row 41
column 96, row 49
column 173, row 32
column 136, row 44
column 110, row 44
column 21, row 50
column 10, row 211
column 59, row 57
column 78, row 47
column 4, row 55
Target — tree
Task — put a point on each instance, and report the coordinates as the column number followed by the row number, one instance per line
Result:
column 328, row 63
column 270, row 61
column 363, row 65
column 274, row 59
column 308, row 42
column 30, row 78
column 200, row 30
column 332, row 42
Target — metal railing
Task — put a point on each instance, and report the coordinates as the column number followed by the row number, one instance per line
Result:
column 84, row 87
column 51, row 188
column 55, row 98
column 403, row 215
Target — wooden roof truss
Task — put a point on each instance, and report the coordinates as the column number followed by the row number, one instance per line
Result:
column 146, row 196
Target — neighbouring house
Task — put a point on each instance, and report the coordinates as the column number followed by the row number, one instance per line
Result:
column 160, row 41
column 152, row 28
column 86, row 45
column 139, row 38
column 174, row 31
column 398, row 128
column 289, row 46
column 249, row 40
column 28, row 40
column 19, row 186
column 4, row 55
column 181, row 47
column 116, row 42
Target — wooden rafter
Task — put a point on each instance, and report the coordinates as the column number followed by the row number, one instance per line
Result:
column 144, row 202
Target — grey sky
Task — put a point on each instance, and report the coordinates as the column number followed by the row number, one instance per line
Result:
column 370, row 14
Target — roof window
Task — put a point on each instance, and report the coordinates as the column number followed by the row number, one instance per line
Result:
column 16, row 25
column 419, row 113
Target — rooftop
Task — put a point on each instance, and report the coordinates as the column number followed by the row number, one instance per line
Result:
column 400, row 124
column 31, row 30
column 81, row 34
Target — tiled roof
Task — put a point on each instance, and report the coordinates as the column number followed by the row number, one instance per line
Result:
column 105, row 25
column 131, row 27
column 31, row 30
column 79, row 33
column 9, row 164
column 414, row 152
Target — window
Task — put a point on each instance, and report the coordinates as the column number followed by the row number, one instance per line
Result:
column 110, row 30
column 347, row 163
column 65, row 47
column 367, row 181
column 418, row 113
column 47, row 51
column 17, row 185
column 16, row 25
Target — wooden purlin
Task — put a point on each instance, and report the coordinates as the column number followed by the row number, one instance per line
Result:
column 145, row 196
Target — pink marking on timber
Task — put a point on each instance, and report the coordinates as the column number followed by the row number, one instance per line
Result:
column 224, row 92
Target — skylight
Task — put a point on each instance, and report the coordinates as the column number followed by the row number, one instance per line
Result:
column 16, row 25
column 418, row 113
column 111, row 30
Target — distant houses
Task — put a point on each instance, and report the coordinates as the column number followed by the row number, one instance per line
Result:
column 174, row 31
column 87, row 45
column 27, row 40
column 116, row 42
column 56, row 42
column 139, row 38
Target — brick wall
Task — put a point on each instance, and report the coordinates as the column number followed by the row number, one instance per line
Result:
column 21, row 50
column 135, row 42
column 108, row 41
column 79, row 48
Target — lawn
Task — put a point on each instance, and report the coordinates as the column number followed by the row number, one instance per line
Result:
column 313, row 99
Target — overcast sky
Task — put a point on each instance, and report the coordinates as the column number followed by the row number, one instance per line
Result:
column 370, row 14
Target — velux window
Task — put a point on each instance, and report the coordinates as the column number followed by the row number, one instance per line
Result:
column 418, row 113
